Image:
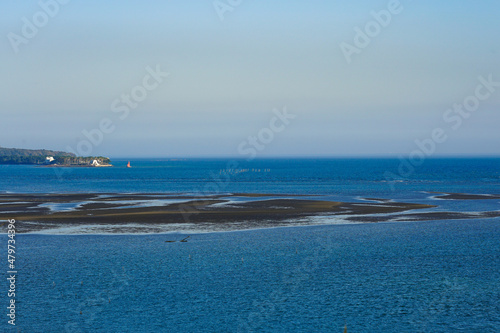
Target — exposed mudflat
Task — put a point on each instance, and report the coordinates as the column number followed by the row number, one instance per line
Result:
column 39, row 212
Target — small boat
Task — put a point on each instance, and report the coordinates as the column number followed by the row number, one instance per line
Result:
column 185, row 239
column 182, row 240
column 128, row 164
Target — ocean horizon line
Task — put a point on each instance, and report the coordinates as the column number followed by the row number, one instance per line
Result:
column 345, row 157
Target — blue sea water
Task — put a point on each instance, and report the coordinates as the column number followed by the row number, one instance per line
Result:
column 433, row 276
column 343, row 177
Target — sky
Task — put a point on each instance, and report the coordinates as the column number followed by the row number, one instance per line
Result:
column 224, row 78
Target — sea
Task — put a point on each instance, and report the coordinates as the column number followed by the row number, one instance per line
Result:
column 419, row 276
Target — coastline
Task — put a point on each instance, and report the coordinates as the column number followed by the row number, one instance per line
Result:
column 74, row 166
column 157, row 212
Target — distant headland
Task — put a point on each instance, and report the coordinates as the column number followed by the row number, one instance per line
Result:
column 44, row 157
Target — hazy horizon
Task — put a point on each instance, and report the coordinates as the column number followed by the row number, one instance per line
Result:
column 215, row 81
column 303, row 156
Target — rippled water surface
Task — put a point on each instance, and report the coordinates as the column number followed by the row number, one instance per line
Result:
column 388, row 277
column 435, row 276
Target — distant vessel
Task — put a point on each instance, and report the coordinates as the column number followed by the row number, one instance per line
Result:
column 128, row 164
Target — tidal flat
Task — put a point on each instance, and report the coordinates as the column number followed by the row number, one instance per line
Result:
column 145, row 212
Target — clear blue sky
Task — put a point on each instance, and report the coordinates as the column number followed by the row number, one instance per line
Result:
column 226, row 76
